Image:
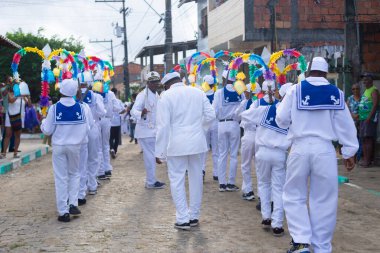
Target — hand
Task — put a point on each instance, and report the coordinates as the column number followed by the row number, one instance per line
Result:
column 144, row 111
column 158, row 160
column 349, row 163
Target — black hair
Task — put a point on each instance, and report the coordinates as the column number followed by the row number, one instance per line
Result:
column 114, row 90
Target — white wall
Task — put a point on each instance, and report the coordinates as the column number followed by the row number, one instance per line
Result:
column 202, row 43
column 225, row 22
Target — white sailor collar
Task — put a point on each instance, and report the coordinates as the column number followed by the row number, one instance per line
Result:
column 317, row 80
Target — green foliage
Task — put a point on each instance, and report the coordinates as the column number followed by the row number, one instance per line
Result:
column 30, row 65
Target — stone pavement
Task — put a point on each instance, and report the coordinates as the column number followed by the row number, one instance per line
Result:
column 126, row 217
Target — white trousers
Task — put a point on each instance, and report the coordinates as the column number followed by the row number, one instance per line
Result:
column 148, row 147
column 270, row 168
column 312, row 159
column 228, row 142
column 247, row 155
column 93, row 161
column 177, row 166
column 66, row 176
column 212, row 139
column 83, row 160
column 104, row 147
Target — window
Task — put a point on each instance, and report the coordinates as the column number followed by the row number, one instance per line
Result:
column 204, row 25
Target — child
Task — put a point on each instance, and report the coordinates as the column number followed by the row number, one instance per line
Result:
column 68, row 122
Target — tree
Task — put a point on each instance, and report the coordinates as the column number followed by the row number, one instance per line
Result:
column 30, row 64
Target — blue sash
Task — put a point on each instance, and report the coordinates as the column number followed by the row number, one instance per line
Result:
column 211, row 98
column 249, row 103
column 321, row 97
column 262, row 102
column 230, row 97
column 269, row 120
column 68, row 115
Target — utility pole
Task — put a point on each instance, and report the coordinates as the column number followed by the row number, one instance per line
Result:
column 112, row 59
column 125, row 65
column 168, row 36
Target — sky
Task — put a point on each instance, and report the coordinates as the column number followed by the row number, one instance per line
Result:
column 87, row 20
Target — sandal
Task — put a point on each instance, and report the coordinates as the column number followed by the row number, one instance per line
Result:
column 15, row 155
column 3, row 156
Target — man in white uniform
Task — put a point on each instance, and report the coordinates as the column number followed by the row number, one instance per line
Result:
column 184, row 113
column 271, row 149
column 111, row 105
column 316, row 115
column 212, row 133
column 225, row 103
column 89, row 160
column 69, row 123
column 115, row 133
column 247, row 144
column 144, row 111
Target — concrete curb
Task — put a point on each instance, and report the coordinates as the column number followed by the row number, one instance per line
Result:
column 24, row 159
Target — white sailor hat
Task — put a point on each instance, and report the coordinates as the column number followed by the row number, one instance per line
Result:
column 152, row 76
column 256, row 90
column 68, row 87
column 266, row 84
column 284, row 88
column 209, row 79
column 170, row 76
column 320, row 64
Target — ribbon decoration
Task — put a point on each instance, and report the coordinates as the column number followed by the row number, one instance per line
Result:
column 281, row 75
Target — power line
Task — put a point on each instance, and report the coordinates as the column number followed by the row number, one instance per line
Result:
column 140, row 22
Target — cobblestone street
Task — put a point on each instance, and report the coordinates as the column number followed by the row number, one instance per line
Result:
column 126, row 217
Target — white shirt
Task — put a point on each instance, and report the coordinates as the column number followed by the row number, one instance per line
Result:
column 111, row 104
column 97, row 107
column 116, row 117
column 68, row 134
column 225, row 111
column 329, row 125
column 183, row 115
column 214, row 125
column 265, row 136
column 248, row 126
column 146, row 126
column 17, row 107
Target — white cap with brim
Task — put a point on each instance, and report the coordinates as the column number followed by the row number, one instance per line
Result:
column 152, row 76
column 170, row 76
column 208, row 79
column 69, row 87
column 256, row 90
column 284, row 88
column 319, row 64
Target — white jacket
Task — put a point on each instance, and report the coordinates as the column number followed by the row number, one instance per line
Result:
column 146, row 126
column 68, row 134
column 329, row 125
column 183, row 114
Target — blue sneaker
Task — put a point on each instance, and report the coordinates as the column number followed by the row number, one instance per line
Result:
column 299, row 248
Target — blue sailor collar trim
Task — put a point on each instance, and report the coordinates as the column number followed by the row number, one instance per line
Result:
column 230, row 97
column 68, row 115
column 269, row 120
column 321, row 97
